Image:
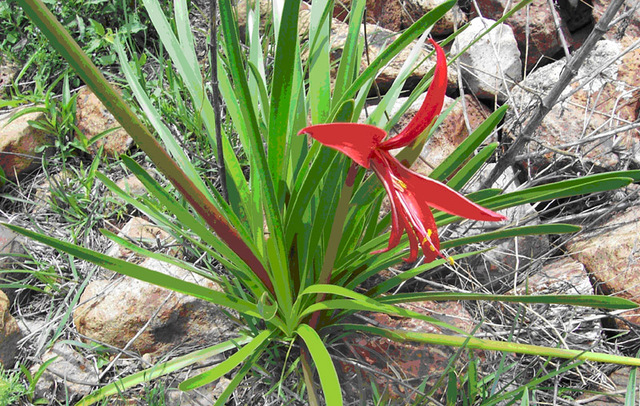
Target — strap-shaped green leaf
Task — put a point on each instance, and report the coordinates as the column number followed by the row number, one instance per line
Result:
column 322, row 360
column 161, row 369
column 472, row 167
column 541, row 229
column 226, row 365
column 469, row 145
column 142, row 273
column 597, row 301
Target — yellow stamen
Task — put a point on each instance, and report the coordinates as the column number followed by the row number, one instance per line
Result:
column 399, row 184
column 451, row 261
column 429, row 232
column 433, row 248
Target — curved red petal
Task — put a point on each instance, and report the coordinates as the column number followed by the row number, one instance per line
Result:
column 357, row 141
column 430, row 192
column 430, row 108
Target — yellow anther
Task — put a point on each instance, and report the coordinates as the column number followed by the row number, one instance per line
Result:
column 399, row 184
column 433, row 248
column 429, row 232
column 451, row 261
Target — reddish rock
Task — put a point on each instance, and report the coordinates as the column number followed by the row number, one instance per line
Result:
column 19, row 143
column 93, row 118
column 411, row 363
column 10, row 333
column 533, row 27
column 611, row 257
column 116, row 311
column 564, row 276
column 398, row 15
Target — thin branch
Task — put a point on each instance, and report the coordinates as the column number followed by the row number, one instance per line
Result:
column 215, row 98
column 569, row 72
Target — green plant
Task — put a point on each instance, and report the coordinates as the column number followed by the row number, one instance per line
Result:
column 296, row 238
column 11, row 389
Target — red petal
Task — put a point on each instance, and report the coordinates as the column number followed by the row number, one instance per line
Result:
column 438, row 195
column 430, row 107
column 357, row 141
column 384, row 174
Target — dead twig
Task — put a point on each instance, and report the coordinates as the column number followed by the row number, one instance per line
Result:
column 569, row 72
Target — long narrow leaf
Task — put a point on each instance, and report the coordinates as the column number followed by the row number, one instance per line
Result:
column 321, row 358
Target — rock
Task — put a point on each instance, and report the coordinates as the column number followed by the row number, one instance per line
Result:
column 12, row 255
column 93, row 118
column 611, row 258
column 413, row 363
column 511, row 257
column 8, row 72
column 603, row 104
column 533, row 27
column 19, row 143
column 398, row 15
column 206, row 394
column 114, row 312
column 492, row 65
column 141, row 231
column 571, row 325
column 611, row 393
column 564, row 276
column 69, row 376
column 628, row 27
column 9, row 334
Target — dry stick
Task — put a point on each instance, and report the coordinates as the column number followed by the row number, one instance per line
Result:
column 215, row 98
column 569, row 72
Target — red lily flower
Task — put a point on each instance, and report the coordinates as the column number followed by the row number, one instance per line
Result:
column 411, row 194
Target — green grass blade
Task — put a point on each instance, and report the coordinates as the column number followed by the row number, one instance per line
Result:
column 322, row 360
column 160, row 370
column 541, row 229
column 226, row 365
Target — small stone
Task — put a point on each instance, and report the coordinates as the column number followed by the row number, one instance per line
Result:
column 143, row 232
column 70, row 375
column 20, row 143
column 93, row 118
column 10, row 333
column 492, row 65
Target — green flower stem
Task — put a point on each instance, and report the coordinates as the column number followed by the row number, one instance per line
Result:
column 89, row 73
column 335, row 236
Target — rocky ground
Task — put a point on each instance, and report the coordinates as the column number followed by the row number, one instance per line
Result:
column 592, row 128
